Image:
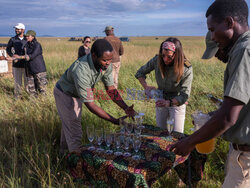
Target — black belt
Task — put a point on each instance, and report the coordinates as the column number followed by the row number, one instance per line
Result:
column 240, row 147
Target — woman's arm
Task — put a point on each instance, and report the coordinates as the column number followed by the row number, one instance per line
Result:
column 147, row 68
column 143, row 71
column 36, row 51
column 185, row 88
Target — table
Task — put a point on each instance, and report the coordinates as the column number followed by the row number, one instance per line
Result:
column 108, row 170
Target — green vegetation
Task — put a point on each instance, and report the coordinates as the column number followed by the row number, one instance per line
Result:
column 30, row 129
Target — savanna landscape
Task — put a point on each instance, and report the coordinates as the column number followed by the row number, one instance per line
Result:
column 30, row 129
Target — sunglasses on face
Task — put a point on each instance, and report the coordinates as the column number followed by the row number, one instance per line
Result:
column 169, row 56
column 87, row 42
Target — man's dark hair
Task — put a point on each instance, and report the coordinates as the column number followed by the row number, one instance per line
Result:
column 237, row 9
column 86, row 37
column 100, row 46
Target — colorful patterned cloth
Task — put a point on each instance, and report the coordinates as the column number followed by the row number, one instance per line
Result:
column 108, row 170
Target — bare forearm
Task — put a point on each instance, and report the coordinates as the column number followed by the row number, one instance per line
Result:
column 143, row 82
column 121, row 104
column 221, row 121
column 116, row 97
column 213, row 128
column 100, row 112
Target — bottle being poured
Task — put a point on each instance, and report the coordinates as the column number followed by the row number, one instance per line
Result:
column 157, row 94
column 200, row 119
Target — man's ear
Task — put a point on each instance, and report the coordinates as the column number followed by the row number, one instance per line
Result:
column 230, row 22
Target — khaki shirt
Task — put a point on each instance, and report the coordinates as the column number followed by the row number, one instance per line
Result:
column 237, row 86
column 80, row 78
column 171, row 89
column 117, row 47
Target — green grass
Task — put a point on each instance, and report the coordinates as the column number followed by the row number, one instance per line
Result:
column 30, row 129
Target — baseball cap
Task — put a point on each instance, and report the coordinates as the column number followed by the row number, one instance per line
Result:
column 211, row 47
column 20, row 26
column 30, row 33
column 108, row 28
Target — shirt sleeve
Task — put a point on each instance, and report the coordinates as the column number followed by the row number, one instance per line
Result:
column 238, row 86
column 8, row 49
column 185, row 89
column 81, row 52
column 147, row 68
column 36, row 51
column 107, row 78
column 83, row 87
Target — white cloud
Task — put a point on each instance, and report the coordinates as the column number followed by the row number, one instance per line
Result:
column 175, row 15
column 68, row 14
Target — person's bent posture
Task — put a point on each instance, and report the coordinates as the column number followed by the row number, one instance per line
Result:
column 174, row 75
column 76, row 87
column 227, row 20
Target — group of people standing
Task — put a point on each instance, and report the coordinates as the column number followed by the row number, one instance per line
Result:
column 28, row 63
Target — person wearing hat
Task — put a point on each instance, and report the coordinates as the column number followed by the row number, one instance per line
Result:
column 174, row 75
column 212, row 50
column 15, row 47
column 117, row 52
column 76, row 87
column 227, row 20
column 35, row 65
column 36, row 68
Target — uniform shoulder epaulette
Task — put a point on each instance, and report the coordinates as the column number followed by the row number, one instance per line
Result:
column 187, row 64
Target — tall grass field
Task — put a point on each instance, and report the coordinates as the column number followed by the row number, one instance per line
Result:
column 30, row 129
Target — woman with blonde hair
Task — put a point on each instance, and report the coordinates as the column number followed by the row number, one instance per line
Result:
column 174, row 75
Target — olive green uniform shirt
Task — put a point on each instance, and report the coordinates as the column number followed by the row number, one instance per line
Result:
column 80, row 78
column 170, row 87
column 237, row 86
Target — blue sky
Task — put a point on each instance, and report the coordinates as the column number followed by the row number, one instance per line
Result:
column 89, row 17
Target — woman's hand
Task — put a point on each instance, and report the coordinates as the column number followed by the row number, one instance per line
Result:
column 162, row 103
column 148, row 90
column 15, row 56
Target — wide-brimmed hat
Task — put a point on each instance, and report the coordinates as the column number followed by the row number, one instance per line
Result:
column 108, row 28
column 30, row 33
column 20, row 26
column 211, row 47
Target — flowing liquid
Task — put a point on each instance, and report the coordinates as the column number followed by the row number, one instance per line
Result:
column 206, row 147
